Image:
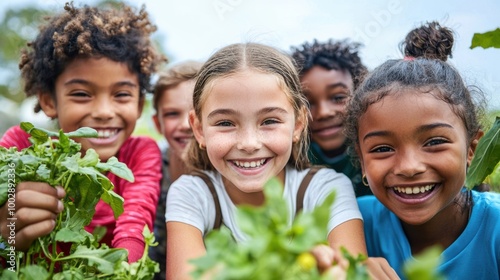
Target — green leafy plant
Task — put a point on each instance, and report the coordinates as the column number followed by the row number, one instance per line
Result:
column 485, row 165
column 276, row 248
column 56, row 159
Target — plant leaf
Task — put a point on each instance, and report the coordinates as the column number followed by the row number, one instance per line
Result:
column 490, row 39
column 486, row 157
column 87, row 132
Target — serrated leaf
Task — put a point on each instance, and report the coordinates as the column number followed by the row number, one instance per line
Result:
column 490, row 39
column 486, row 157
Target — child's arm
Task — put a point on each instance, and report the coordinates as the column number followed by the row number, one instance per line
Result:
column 143, row 157
column 184, row 242
column 36, row 208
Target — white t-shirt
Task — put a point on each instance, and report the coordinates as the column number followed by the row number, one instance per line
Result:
column 189, row 199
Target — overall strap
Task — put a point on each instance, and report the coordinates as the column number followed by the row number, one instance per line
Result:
column 303, row 187
column 210, row 185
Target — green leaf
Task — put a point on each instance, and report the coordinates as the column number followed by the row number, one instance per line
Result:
column 86, row 132
column 424, row 265
column 34, row 272
column 118, row 168
column 106, row 259
column 486, row 157
column 113, row 200
column 68, row 235
column 91, row 158
column 486, row 40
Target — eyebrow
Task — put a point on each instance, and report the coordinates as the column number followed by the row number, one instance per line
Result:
column 421, row 129
column 85, row 82
column 234, row 112
column 337, row 85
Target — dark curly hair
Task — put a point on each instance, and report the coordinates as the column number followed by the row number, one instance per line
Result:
column 431, row 40
column 118, row 34
column 338, row 55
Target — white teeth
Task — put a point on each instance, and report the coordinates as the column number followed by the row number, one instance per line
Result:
column 106, row 133
column 249, row 164
column 414, row 190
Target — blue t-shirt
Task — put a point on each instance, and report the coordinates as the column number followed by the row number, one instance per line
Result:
column 475, row 254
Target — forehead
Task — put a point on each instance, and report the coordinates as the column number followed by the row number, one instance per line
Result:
column 245, row 88
column 408, row 109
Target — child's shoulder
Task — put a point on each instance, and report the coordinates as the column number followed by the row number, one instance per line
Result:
column 488, row 200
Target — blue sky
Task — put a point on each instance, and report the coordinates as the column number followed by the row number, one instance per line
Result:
column 194, row 29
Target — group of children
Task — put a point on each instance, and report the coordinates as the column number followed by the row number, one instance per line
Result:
column 405, row 132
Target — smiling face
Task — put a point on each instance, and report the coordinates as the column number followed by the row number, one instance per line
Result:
column 172, row 118
column 97, row 93
column 327, row 92
column 414, row 151
column 247, row 125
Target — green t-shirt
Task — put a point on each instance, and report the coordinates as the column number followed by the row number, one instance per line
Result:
column 342, row 163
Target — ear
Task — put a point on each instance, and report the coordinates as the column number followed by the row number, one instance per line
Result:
column 48, row 104
column 197, row 128
column 473, row 146
column 141, row 105
column 156, row 121
column 300, row 124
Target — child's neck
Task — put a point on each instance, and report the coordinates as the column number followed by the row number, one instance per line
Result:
column 443, row 229
column 238, row 197
column 176, row 166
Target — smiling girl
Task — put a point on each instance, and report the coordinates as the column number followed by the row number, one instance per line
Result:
column 415, row 128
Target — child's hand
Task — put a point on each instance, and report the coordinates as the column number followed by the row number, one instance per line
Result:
column 379, row 268
column 326, row 256
column 37, row 205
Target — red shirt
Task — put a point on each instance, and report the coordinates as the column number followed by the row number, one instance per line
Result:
column 143, row 157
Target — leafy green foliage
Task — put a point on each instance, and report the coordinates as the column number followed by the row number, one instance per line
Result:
column 486, row 40
column 486, row 158
column 56, row 159
column 276, row 248
column 424, row 266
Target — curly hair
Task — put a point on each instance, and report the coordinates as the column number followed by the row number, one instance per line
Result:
column 118, row 34
column 337, row 55
column 430, row 40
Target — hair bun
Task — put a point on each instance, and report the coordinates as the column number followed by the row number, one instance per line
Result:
column 431, row 41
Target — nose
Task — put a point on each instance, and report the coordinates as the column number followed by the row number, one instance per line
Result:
column 103, row 109
column 324, row 110
column 409, row 163
column 184, row 124
column 249, row 140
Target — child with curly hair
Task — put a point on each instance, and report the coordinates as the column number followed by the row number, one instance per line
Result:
column 91, row 67
column 329, row 73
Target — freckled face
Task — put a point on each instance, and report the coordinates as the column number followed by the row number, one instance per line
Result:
column 172, row 118
column 248, row 126
column 98, row 93
column 414, row 152
column 327, row 92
